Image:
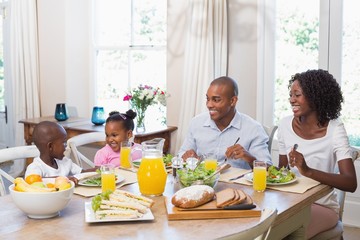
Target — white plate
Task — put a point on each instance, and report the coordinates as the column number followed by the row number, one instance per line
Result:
column 90, row 216
column 249, row 177
column 82, row 175
column 136, row 163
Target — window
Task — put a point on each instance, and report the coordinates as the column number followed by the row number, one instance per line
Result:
column 129, row 47
column 296, row 47
column 2, row 86
column 308, row 36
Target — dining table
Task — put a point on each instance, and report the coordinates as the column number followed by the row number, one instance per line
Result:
column 293, row 216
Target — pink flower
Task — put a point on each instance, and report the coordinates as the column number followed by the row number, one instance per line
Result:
column 127, row 98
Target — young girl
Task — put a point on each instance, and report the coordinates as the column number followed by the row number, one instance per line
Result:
column 118, row 128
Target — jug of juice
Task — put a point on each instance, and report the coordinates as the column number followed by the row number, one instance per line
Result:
column 152, row 174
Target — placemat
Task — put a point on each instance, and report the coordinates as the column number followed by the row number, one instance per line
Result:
column 300, row 186
column 130, row 177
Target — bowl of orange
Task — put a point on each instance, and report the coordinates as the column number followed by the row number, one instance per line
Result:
column 41, row 199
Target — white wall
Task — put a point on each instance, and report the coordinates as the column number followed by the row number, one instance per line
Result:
column 65, row 65
column 64, row 55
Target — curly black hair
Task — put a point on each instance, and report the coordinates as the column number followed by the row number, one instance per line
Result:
column 127, row 119
column 322, row 92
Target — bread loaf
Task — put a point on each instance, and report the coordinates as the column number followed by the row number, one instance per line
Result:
column 193, row 196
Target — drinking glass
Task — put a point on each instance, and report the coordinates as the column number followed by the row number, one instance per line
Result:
column 125, row 155
column 259, row 175
column 107, row 178
column 210, row 162
column 61, row 112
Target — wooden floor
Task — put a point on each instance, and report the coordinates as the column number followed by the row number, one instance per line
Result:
column 351, row 233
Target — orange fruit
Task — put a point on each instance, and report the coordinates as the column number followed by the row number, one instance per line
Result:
column 50, row 185
column 33, row 178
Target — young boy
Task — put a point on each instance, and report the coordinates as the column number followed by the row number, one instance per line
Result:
column 50, row 139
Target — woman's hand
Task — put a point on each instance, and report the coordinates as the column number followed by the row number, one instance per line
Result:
column 296, row 159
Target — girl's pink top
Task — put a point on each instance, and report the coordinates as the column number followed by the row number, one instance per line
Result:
column 106, row 155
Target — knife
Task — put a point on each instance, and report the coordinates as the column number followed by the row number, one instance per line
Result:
column 244, row 206
column 240, row 176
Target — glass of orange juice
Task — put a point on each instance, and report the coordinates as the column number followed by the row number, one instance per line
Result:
column 259, row 175
column 210, row 162
column 107, row 178
column 125, row 155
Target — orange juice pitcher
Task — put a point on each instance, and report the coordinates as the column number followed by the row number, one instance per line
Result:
column 152, row 174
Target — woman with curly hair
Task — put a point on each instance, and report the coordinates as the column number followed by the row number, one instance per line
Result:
column 322, row 142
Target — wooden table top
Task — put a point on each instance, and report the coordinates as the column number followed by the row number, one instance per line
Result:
column 71, row 222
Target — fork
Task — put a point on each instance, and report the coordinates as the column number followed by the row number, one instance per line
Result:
column 286, row 170
column 233, row 145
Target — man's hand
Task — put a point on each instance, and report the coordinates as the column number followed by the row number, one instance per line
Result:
column 237, row 151
column 189, row 153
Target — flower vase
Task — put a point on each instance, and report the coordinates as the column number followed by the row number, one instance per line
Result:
column 140, row 127
column 140, row 122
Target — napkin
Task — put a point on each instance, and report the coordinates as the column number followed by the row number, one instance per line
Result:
column 300, row 186
column 130, row 177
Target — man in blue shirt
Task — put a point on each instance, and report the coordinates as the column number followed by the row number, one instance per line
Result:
column 216, row 131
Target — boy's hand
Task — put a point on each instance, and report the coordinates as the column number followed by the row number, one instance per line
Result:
column 74, row 179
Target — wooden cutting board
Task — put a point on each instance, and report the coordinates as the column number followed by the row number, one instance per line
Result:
column 207, row 211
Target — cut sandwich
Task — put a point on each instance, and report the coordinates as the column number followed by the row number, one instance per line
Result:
column 106, row 204
column 120, row 204
column 122, row 195
column 117, row 213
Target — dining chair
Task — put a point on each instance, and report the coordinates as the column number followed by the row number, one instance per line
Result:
column 258, row 232
column 11, row 154
column 337, row 231
column 271, row 133
column 80, row 140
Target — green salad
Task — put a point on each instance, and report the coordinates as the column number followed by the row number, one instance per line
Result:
column 279, row 176
column 167, row 160
column 186, row 177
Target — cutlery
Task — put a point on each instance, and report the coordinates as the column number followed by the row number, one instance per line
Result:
column 233, row 145
column 222, row 168
column 240, row 176
column 244, row 206
column 286, row 170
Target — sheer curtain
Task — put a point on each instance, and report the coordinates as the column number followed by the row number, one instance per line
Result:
column 206, row 58
column 24, row 67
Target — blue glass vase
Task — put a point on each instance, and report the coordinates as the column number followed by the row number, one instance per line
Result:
column 98, row 116
column 61, row 113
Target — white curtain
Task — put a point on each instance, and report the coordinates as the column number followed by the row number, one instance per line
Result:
column 24, row 65
column 206, row 57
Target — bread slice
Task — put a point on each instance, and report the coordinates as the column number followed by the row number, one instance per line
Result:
column 224, row 197
column 236, row 198
column 242, row 197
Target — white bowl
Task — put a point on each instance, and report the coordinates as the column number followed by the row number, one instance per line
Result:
column 42, row 204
